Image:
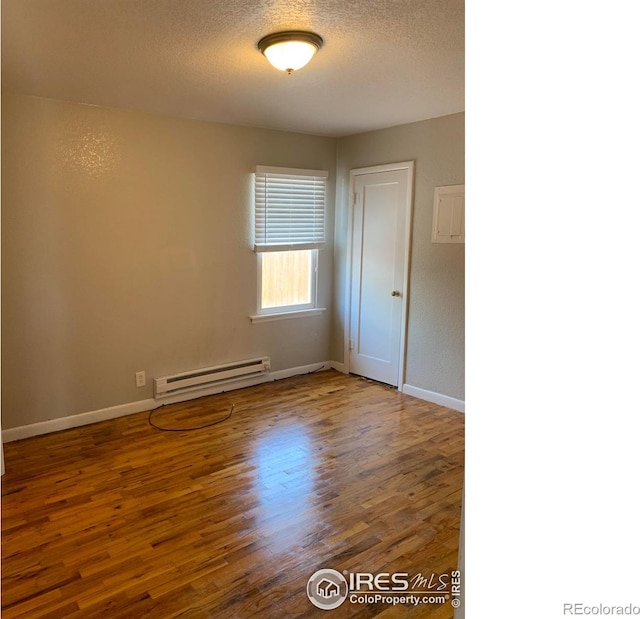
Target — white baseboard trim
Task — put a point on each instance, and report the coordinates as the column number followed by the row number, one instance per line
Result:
column 339, row 367
column 74, row 421
column 432, row 396
column 83, row 419
column 302, row 369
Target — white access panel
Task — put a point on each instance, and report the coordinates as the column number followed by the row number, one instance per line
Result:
column 448, row 214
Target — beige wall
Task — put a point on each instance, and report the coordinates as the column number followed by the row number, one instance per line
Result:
column 435, row 343
column 126, row 246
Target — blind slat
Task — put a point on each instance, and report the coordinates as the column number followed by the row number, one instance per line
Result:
column 289, row 209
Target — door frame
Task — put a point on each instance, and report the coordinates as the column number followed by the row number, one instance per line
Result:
column 389, row 167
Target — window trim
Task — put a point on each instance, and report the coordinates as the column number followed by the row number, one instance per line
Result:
column 315, row 311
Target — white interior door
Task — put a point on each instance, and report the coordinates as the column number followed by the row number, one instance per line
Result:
column 379, row 263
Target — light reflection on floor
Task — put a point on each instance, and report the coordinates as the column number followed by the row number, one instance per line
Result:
column 285, row 482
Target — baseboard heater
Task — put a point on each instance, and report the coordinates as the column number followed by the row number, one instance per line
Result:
column 210, row 377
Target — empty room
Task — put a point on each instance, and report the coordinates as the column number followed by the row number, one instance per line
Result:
column 233, row 304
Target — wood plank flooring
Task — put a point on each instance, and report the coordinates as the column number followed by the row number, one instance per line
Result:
column 119, row 519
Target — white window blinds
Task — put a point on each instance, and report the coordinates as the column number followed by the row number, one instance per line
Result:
column 289, row 208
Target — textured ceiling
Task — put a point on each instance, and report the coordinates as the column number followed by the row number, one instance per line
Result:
column 384, row 62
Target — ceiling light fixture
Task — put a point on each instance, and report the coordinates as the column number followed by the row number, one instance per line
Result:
column 290, row 50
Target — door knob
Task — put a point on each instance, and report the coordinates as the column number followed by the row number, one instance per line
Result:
column 395, row 293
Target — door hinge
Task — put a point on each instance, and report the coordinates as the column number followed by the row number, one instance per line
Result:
column 351, row 344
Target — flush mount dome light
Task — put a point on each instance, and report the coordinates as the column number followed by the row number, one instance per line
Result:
column 291, row 50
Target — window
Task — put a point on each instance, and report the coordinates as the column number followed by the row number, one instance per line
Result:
column 289, row 231
column 287, row 280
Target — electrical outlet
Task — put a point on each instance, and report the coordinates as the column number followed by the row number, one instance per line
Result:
column 141, row 379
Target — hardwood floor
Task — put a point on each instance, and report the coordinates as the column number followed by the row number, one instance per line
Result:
column 119, row 519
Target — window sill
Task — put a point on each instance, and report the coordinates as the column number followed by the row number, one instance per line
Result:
column 316, row 311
